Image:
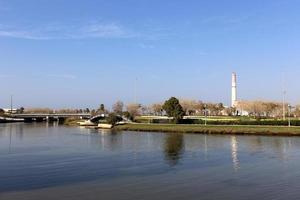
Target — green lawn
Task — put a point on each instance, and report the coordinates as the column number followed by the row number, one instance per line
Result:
column 214, row 129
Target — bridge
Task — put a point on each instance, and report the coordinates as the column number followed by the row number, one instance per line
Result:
column 43, row 116
column 94, row 120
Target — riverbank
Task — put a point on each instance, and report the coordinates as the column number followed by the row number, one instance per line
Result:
column 72, row 121
column 213, row 129
column 10, row 120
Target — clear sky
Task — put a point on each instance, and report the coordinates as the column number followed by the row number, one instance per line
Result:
column 67, row 53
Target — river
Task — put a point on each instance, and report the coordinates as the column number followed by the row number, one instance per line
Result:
column 50, row 161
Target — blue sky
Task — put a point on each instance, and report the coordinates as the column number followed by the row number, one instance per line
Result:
column 66, row 53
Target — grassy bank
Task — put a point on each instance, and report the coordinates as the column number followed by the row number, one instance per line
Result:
column 72, row 121
column 213, row 129
column 220, row 120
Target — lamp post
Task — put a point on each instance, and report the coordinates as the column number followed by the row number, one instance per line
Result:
column 283, row 105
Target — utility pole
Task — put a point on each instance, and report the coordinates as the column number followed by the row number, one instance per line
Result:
column 11, row 104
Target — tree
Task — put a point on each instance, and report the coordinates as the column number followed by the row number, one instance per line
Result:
column 157, row 109
column 118, row 107
column 190, row 107
column 87, row 110
column 102, row 108
column 21, row 110
column 220, row 107
column 38, row 110
column 212, row 108
column 173, row 109
column 230, row 111
column 295, row 113
column 127, row 115
column 133, row 109
column 145, row 110
column 262, row 108
column 1, row 112
column 270, row 108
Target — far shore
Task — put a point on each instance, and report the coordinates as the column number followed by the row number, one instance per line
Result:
column 213, row 129
column 208, row 129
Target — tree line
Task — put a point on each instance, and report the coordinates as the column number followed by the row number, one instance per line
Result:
column 185, row 107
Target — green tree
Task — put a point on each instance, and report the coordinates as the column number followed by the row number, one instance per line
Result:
column 1, row 112
column 127, row 115
column 21, row 110
column 102, row 108
column 174, row 109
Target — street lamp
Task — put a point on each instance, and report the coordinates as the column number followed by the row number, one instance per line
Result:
column 283, row 105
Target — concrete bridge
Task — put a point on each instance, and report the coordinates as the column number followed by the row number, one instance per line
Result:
column 52, row 116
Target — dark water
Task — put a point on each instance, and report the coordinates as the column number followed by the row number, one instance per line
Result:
column 39, row 161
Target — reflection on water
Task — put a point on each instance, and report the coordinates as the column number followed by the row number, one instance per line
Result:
column 38, row 160
column 173, row 148
column 234, row 153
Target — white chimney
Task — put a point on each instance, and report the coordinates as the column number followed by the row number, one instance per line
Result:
column 233, row 90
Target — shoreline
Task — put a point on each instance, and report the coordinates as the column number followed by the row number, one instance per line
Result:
column 213, row 129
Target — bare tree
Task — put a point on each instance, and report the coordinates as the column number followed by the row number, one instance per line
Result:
column 230, row 111
column 133, row 109
column 199, row 107
column 38, row 110
column 146, row 110
column 261, row 108
column 118, row 107
column 191, row 107
column 212, row 108
column 157, row 108
column 296, row 111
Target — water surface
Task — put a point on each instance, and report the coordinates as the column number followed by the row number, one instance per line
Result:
column 47, row 161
